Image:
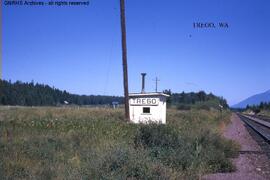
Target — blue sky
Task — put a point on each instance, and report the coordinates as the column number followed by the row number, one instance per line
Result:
column 79, row 48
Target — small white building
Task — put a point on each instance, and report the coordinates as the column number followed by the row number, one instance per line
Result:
column 147, row 107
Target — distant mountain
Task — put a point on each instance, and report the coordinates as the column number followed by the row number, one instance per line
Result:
column 254, row 100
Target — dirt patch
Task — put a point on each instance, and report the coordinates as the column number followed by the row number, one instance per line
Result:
column 252, row 163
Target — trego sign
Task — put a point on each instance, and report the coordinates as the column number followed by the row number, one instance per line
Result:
column 144, row 101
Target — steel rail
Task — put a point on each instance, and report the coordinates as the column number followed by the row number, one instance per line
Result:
column 257, row 128
column 258, row 120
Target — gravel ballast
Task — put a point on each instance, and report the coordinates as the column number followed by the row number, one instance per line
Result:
column 252, row 163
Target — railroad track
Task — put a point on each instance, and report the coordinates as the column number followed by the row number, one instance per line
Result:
column 262, row 117
column 259, row 125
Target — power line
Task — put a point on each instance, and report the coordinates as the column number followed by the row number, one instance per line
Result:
column 108, row 71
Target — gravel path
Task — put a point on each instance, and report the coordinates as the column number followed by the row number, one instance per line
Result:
column 251, row 163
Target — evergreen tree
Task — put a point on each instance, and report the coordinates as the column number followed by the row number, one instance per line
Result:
column 30, row 94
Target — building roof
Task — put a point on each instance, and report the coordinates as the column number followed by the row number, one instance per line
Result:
column 148, row 94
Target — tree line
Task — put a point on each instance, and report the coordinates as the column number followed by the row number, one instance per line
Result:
column 192, row 99
column 35, row 94
column 258, row 108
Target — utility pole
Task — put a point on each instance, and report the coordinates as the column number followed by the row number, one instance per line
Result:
column 124, row 57
column 156, row 83
column 1, row 41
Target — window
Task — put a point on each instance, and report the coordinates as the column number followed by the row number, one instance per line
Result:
column 146, row 110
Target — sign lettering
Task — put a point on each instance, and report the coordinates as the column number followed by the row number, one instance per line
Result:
column 144, row 101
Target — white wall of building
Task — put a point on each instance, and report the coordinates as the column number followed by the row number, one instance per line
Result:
column 155, row 103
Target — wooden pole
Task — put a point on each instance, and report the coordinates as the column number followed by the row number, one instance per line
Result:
column 124, row 57
column 1, row 40
column 156, row 83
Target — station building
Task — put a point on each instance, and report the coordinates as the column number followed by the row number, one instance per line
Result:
column 147, row 107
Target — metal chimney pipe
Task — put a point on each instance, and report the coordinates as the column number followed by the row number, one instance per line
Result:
column 143, row 81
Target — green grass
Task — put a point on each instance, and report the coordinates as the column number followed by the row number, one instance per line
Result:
column 95, row 143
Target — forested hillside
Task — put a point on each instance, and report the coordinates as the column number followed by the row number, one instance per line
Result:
column 34, row 94
column 254, row 100
column 200, row 100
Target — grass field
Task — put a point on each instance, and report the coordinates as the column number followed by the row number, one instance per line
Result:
column 95, row 143
column 265, row 113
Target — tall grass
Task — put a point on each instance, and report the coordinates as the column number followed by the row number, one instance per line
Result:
column 265, row 113
column 96, row 143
